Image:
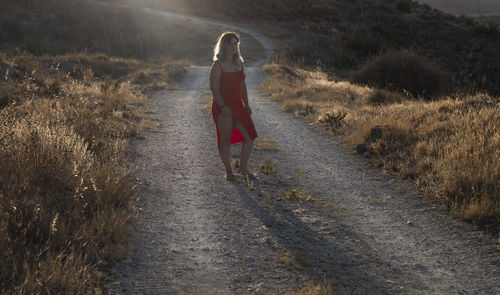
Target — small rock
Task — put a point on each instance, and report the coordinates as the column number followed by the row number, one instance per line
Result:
column 361, row 148
column 376, row 131
column 409, row 222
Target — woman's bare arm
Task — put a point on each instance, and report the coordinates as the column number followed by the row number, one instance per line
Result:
column 215, row 73
column 245, row 93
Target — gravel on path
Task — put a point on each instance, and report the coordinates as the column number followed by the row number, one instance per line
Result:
column 370, row 233
column 367, row 233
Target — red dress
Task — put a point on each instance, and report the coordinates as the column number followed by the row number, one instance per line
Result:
column 230, row 87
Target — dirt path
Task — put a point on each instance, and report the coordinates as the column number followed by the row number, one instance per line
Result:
column 198, row 235
column 369, row 234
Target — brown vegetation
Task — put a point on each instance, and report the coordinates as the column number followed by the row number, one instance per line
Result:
column 402, row 70
column 449, row 147
column 66, row 191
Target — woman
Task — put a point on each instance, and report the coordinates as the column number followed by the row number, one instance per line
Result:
column 230, row 109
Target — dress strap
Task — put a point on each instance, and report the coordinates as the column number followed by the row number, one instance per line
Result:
column 220, row 64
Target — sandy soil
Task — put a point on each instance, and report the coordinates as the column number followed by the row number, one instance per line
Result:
column 367, row 233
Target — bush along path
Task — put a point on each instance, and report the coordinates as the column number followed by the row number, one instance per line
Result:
column 315, row 215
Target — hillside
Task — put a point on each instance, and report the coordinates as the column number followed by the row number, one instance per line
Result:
column 465, row 7
column 342, row 35
column 60, row 27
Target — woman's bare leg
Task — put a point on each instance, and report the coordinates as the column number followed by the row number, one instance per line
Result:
column 246, row 147
column 225, row 126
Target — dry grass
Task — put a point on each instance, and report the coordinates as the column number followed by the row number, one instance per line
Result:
column 267, row 201
column 101, row 64
column 310, row 94
column 155, row 74
column 376, row 201
column 207, row 104
column 314, row 289
column 163, row 74
column 267, row 167
column 334, row 210
column 266, row 144
column 296, row 194
column 66, row 194
column 449, row 147
column 297, row 259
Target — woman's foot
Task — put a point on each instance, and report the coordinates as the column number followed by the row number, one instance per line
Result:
column 246, row 173
column 230, row 176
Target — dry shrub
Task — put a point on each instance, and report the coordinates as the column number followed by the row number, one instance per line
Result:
column 9, row 92
column 161, row 76
column 334, row 121
column 174, row 71
column 100, row 64
column 25, row 79
column 66, row 191
column 24, row 62
column 383, row 96
column 402, row 70
column 141, row 76
column 87, row 76
column 449, row 147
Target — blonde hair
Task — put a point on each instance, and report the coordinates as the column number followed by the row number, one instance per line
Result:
column 222, row 42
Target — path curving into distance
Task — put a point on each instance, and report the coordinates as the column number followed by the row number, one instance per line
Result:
column 370, row 234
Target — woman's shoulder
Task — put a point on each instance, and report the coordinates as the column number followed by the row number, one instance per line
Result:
column 217, row 64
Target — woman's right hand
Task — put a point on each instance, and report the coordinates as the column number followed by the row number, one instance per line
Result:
column 226, row 111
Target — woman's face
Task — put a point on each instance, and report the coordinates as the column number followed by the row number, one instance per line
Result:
column 232, row 47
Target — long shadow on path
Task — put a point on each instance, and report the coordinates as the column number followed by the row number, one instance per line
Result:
column 320, row 260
